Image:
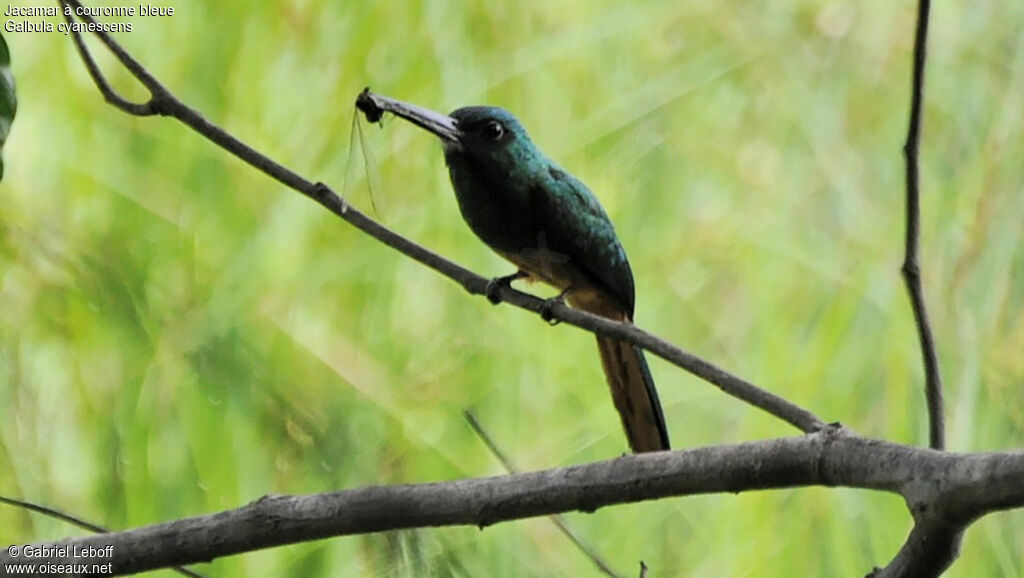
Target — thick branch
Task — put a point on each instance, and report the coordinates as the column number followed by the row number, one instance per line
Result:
column 911, row 270
column 932, row 547
column 831, row 457
column 165, row 103
column 73, row 520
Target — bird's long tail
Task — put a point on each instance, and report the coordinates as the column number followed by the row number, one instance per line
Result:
column 634, row 395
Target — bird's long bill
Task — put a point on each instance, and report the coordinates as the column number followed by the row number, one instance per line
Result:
column 375, row 105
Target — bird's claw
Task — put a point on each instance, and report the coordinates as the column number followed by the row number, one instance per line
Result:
column 547, row 308
column 494, row 286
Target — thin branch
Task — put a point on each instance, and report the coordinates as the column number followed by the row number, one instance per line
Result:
column 556, row 519
column 165, row 103
column 957, row 487
column 492, row 446
column 46, row 511
column 109, row 94
column 911, row 269
column 75, row 521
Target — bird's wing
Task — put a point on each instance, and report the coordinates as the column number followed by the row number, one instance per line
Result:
column 575, row 224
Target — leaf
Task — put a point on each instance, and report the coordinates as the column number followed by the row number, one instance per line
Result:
column 8, row 101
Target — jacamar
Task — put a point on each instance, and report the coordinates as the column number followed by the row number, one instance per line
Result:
column 547, row 223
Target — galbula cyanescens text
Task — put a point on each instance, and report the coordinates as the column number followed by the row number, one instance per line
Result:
column 549, row 225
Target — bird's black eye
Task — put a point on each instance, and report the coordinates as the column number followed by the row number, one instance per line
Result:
column 494, row 130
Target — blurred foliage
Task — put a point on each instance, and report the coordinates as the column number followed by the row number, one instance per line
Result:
column 8, row 99
column 179, row 334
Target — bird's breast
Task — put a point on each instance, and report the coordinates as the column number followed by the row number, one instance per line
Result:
column 495, row 209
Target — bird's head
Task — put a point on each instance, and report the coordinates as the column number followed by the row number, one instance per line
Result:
column 492, row 139
column 486, row 138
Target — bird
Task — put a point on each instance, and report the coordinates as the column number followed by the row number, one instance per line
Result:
column 549, row 225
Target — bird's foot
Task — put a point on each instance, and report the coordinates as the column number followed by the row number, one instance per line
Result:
column 494, row 286
column 547, row 309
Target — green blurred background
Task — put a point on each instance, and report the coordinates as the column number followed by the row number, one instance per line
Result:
column 180, row 335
